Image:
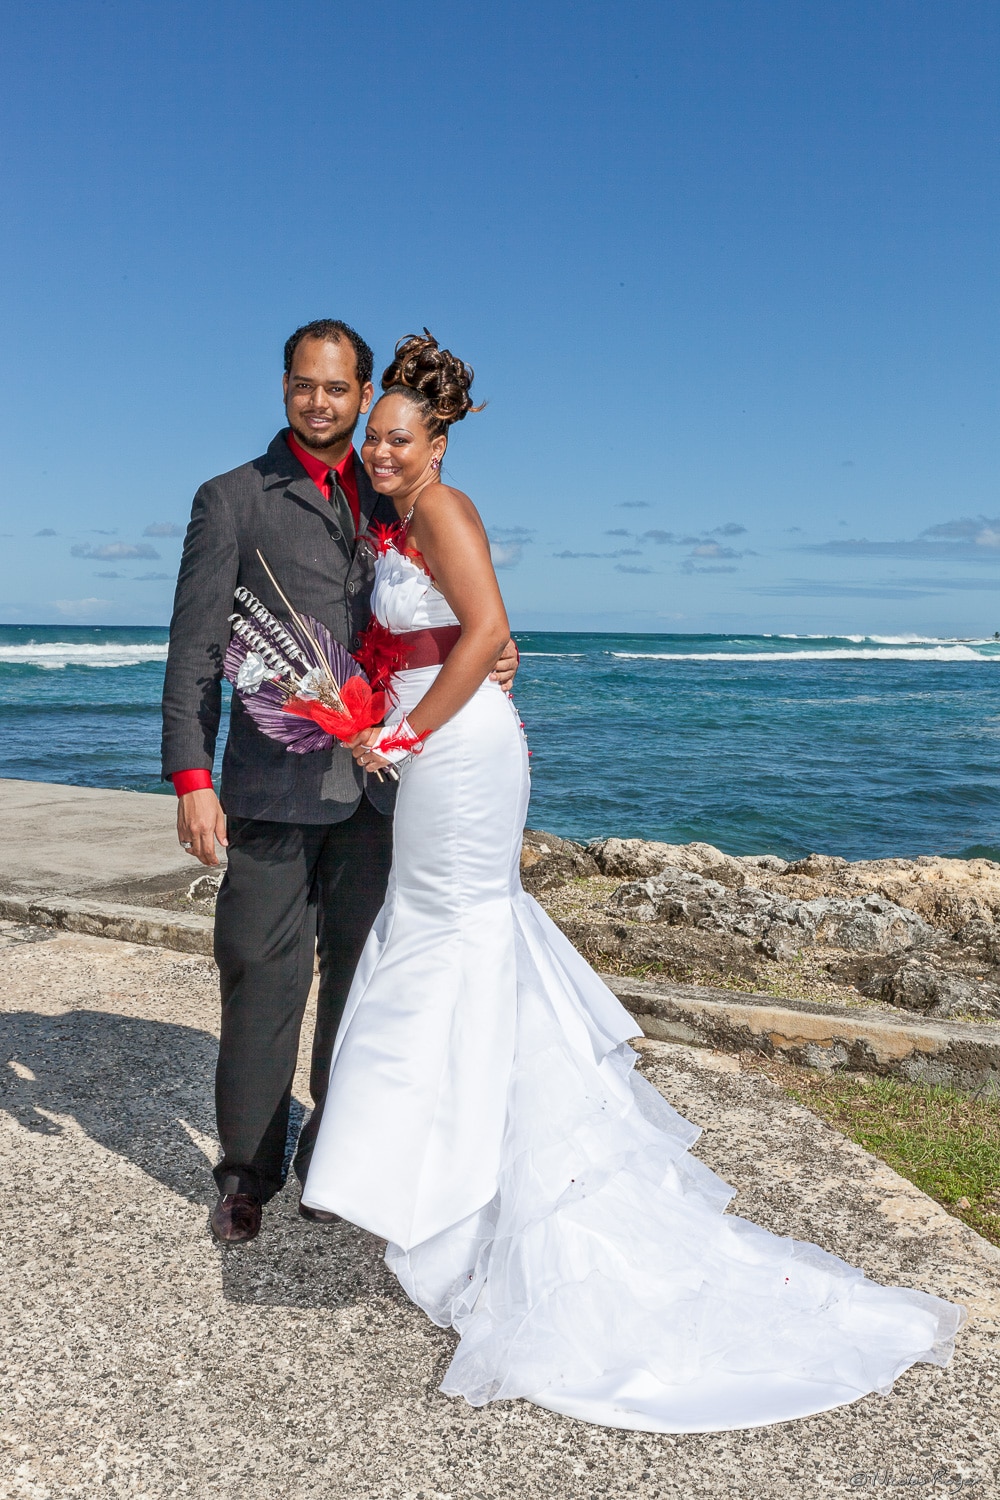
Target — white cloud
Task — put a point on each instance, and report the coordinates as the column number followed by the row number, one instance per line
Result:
column 507, row 545
column 621, row 552
column 713, row 549
column 115, row 551
column 969, row 539
column 985, row 530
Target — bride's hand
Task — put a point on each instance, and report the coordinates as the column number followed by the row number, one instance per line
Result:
column 362, row 738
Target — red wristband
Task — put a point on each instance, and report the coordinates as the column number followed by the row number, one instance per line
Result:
column 191, row 781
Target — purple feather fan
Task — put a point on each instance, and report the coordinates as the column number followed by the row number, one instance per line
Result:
column 266, row 662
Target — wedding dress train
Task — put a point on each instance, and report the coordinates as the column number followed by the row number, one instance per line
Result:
column 538, row 1196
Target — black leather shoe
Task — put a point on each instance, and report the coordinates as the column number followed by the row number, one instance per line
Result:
column 236, row 1218
column 316, row 1215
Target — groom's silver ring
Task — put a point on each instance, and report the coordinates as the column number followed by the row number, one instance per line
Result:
column 185, row 843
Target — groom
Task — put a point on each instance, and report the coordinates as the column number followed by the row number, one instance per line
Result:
column 308, row 837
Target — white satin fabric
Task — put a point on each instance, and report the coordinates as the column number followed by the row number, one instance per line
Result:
column 404, row 597
column 538, row 1196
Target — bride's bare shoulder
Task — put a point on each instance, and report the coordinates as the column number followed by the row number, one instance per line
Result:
column 443, row 503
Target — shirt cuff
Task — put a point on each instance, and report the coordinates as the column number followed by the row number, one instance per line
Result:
column 191, row 781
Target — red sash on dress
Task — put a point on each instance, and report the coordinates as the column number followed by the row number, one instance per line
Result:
column 427, row 648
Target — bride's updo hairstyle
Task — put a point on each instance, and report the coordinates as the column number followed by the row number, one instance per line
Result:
column 433, row 379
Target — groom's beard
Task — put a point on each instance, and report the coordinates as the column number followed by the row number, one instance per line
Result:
column 309, row 440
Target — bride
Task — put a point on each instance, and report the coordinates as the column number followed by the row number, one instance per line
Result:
column 484, row 1115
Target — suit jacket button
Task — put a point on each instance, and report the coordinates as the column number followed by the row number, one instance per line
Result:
column 350, row 588
column 335, row 535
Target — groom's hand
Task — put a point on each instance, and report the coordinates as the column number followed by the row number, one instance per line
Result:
column 200, row 821
column 366, row 759
column 506, row 668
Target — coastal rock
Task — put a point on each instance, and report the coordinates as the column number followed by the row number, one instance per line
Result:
column 548, row 861
column 675, row 896
column 922, row 934
column 769, row 862
column 204, row 887
column 981, row 941
column 947, row 893
column 778, row 925
column 817, row 866
column 918, row 984
column 636, row 859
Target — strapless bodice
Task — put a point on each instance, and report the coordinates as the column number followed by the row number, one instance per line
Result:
column 404, row 596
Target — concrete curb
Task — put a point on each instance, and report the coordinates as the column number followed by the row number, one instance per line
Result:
column 962, row 1054
column 188, row 933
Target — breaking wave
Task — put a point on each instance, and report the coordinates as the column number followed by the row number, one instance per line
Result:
column 53, row 656
column 939, row 653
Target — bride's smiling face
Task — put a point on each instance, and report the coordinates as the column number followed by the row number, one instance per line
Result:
column 397, row 452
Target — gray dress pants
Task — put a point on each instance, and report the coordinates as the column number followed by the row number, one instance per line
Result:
column 289, row 889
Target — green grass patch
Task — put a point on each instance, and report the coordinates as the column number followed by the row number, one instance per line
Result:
column 945, row 1142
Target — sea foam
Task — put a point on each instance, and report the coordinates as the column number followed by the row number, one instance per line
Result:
column 953, row 653
column 52, row 656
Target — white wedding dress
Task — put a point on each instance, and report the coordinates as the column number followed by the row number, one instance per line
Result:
column 485, row 1118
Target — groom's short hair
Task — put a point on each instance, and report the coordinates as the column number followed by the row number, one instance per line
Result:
column 333, row 330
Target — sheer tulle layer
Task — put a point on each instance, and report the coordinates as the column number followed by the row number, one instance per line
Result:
column 603, row 1280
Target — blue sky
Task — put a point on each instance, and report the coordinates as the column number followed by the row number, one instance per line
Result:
column 727, row 273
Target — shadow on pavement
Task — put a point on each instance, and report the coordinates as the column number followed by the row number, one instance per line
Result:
column 144, row 1090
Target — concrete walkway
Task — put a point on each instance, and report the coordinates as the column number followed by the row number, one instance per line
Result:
column 81, row 841
column 141, row 1360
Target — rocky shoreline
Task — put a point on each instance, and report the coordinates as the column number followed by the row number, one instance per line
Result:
column 920, row 935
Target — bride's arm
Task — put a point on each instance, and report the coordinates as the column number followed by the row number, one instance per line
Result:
column 451, row 538
column 448, row 533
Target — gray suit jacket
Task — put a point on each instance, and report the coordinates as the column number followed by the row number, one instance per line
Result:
column 272, row 504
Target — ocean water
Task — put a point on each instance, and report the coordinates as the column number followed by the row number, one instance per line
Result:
column 865, row 746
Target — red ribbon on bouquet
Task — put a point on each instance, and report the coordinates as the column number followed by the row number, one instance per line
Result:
column 364, row 708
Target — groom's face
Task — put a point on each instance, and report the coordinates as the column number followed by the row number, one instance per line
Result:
column 323, row 396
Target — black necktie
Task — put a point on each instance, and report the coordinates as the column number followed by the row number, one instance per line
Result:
column 340, row 507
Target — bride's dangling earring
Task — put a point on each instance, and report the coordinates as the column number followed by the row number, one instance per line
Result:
column 435, row 464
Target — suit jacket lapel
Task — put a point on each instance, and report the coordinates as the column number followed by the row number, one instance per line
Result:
column 284, row 473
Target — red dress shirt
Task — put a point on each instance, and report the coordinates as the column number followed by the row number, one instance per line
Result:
column 319, row 473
